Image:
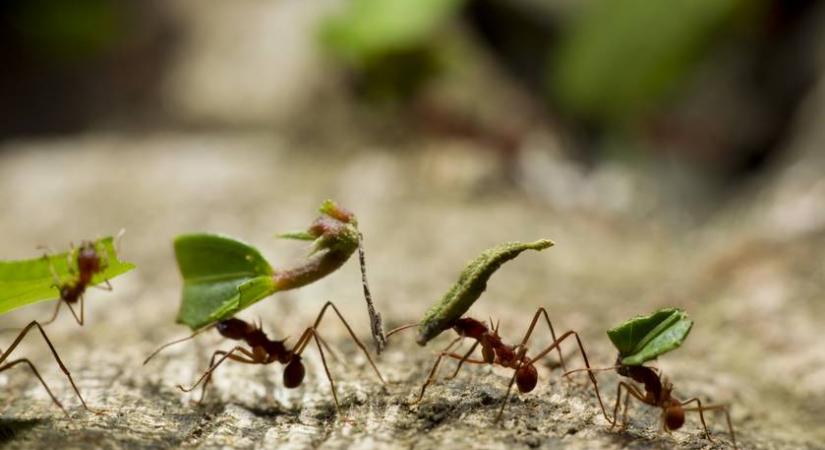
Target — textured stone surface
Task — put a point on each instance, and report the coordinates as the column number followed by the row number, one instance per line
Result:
column 752, row 283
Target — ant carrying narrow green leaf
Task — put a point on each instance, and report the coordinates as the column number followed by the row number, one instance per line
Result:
column 642, row 339
column 449, row 312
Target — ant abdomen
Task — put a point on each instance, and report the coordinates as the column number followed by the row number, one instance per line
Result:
column 294, row 373
column 674, row 417
column 526, row 378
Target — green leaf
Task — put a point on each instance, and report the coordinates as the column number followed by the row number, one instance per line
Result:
column 470, row 285
column 30, row 281
column 646, row 337
column 369, row 29
column 221, row 276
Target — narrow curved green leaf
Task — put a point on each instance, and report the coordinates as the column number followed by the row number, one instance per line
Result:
column 28, row 281
column 221, row 276
column 470, row 285
column 644, row 338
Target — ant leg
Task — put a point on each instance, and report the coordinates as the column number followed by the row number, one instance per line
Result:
column 351, row 333
column 539, row 312
column 20, row 337
column 212, row 365
column 54, row 314
column 434, row 370
column 176, row 341
column 300, row 346
column 629, row 390
column 11, row 364
column 107, row 288
column 700, row 409
column 555, row 345
column 78, row 319
column 520, row 358
column 207, row 375
column 462, row 360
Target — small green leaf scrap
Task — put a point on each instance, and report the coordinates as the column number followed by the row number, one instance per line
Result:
column 471, row 284
column 644, row 338
column 28, row 281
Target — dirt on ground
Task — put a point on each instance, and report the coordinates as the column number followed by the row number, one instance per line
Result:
column 750, row 273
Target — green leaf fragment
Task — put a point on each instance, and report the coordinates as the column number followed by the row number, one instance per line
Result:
column 221, row 276
column 644, row 338
column 24, row 282
column 471, row 284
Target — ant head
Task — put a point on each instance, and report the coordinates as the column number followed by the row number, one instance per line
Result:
column 294, row 372
column 674, row 416
column 527, row 377
column 234, row 329
column 88, row 261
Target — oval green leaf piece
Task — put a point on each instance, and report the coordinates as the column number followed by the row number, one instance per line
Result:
column 471, row 284
column 221, row 276
column 28, row 281
column 646, row 337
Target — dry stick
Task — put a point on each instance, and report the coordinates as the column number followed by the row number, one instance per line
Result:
column 376, row 324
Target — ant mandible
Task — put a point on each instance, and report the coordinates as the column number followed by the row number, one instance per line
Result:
column 495, row 351
column 5, row 365
column 263, row 350
column 89, row 264
column 658, row 394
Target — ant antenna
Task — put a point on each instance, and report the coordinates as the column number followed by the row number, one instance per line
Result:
column 591, row 370
column 177, row 341
column 402, row 328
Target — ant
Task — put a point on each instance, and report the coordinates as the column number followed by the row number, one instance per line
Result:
column 658, row 394
column 5, row 365
column 263, row 350
column 89, row 264
column 495, row 352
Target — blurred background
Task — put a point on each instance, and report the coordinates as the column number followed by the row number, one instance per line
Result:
column 673, row 150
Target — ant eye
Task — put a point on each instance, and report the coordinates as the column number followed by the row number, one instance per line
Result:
column 526, row 378
column 294, row 373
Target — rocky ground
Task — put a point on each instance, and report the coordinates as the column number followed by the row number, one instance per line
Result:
column 750, row 274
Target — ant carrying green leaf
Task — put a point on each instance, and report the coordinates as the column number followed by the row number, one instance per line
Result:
column 642, row 339
column 449, row 312
column 223, row 276
column 29, row 281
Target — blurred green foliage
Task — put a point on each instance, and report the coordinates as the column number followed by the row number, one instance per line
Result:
column 67, row 29
column 392, row 46
column 619, row 58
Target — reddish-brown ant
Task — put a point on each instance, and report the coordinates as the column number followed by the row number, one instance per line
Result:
column 658, row 394
column 263, row 350
column 89, row 264
column 496, row 352
column 5, row 365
